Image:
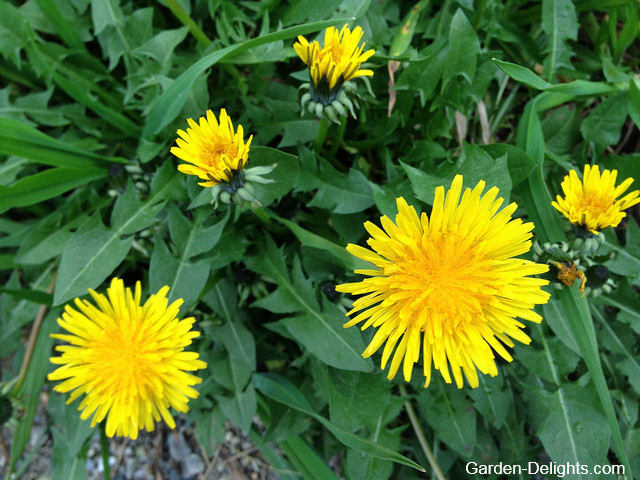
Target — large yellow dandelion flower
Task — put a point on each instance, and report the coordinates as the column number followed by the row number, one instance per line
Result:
column 593, row 203
column 448, row 285
column 127, row 359
column 338, row 61
column 216, row 153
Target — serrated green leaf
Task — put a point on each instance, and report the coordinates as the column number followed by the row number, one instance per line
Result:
column 560, row 22
column 492, row 400
column 281, row 390
column 450, row 413
column 318, row 329
column 574, row 431
column 340, row 193
column 71, row 435
column 464, row 47
column 184, row 278
column 604, row 123
column 357, row 399
column 92, row 254
column 240, row 408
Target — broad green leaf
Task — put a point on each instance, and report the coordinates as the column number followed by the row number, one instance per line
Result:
column 310, row 239
column 561, row 129
column 37, row 297
column 318, row 329
column 573, row 431
column 360, row 465
column 554, row 317
column 94, row 251
column 560, row 22
column 71, row 435
column 193, row 238
column 90, row 256
column 464, row 47
column 522, row 75
column 184, row 278
column 492, row 400
column 306, row 460
column 129, row 206
column 450, row 413
column 357, row 399
column 50, row 183
column 340, row 193
column 240, row 408
column 626, row 259
column 45, row 241
column 552, row 363
column 519, row 163
column 423, row 75
column 170, row 103
column 604, row 123
column 284, row 175
column 15, row 314
column 282, row 390
column 616, row 338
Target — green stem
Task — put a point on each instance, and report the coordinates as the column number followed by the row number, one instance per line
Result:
column 186, row 20
column 322, row 134
column 337, row 143
column 261, row 214
column 104, row 449
column 415, row 424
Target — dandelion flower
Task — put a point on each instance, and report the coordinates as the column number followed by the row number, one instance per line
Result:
column 593, row 203
column 338, row 61
column 216, row 152
column 127, row 359
column 330, row 66
column 448, row 285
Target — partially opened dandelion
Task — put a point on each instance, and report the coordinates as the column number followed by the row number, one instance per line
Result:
column 593, row 204
column 448, row 285
column 219, row 155
column 330, row 68
column 127, row 359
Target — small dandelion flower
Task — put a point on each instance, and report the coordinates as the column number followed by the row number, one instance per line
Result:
column 216, row 152
column 448, row 285
column 219, row 155
column 127, row 359
column 330, row 67
column 593, row 203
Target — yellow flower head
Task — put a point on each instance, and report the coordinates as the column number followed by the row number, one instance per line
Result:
column 127, row 359
column 336, row 62
column 448, row 285
column 216, row 153
column 593, row 203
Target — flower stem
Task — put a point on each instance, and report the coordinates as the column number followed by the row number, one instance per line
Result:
column 322, row 134
column 415, row 424
column 186, row 20
column 338, row 140
column 104, row 449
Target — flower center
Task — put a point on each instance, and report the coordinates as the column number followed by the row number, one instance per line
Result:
column 216, row 151
column 446, row 281
column 125, row 354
